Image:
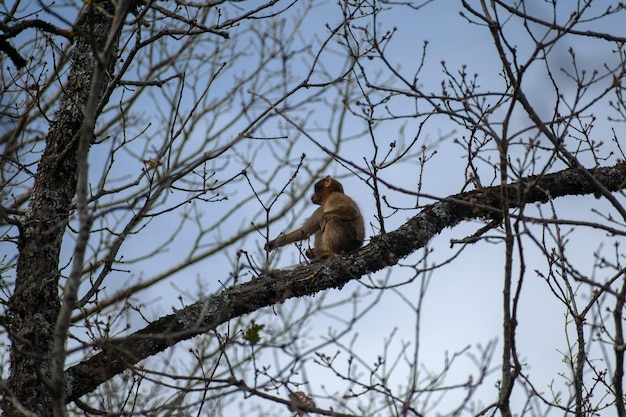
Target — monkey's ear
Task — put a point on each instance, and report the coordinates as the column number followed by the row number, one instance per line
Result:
column 327, row 181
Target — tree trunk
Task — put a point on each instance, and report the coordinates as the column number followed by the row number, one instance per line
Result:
column 34, row 305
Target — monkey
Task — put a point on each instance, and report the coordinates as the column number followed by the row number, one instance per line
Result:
column 337, row 225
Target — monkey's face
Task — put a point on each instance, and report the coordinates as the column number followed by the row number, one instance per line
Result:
column 318, row 189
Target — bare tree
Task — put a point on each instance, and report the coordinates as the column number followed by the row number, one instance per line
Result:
column 150, row 149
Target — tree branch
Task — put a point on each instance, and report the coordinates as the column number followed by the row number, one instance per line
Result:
column 275, row 286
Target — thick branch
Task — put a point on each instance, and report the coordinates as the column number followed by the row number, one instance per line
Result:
column 274, row 286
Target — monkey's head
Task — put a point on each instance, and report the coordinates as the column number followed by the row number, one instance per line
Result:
column 325, row 187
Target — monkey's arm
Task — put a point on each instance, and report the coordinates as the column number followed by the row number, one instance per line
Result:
column 310, row 226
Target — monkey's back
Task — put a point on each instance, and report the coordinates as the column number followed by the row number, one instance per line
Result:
column 343, row 229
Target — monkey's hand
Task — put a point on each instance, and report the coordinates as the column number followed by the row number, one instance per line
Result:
column 270, row 245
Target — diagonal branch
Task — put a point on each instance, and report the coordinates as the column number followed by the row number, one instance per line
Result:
column 385, row 250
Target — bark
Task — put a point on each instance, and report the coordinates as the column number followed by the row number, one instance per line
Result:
column 34, row 305
column 117, row 355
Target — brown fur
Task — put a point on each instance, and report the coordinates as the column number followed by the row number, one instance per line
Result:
column 337, row 224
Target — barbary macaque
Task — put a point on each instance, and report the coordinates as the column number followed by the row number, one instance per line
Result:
column 337, row 224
